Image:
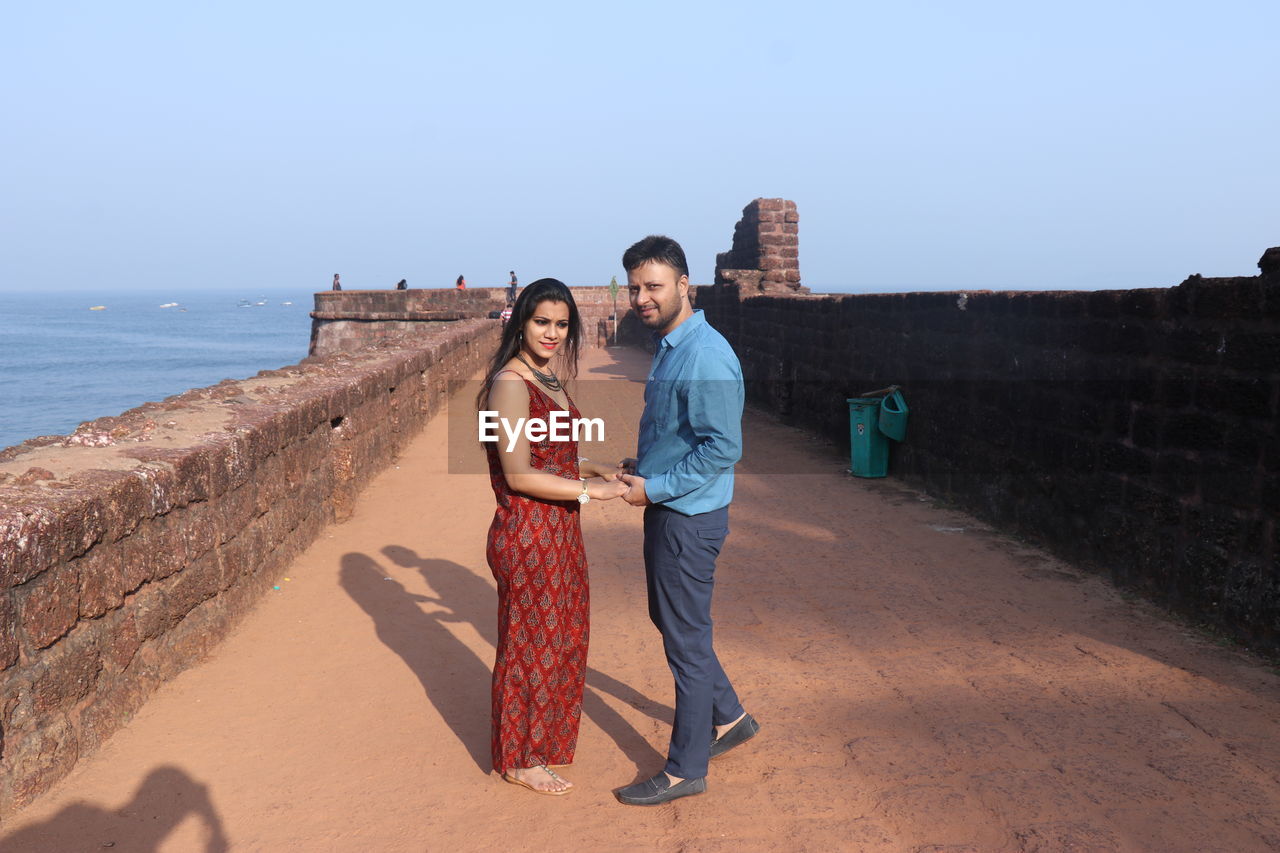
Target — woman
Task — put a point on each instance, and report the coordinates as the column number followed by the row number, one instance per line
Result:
column 535, row 543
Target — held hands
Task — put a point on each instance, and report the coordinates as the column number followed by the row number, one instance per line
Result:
column 606, row 490
column 626, row 472
column 618, row 481
column 635, row 495
column 611, row 482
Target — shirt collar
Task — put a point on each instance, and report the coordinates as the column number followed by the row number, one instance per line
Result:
column 677, row 335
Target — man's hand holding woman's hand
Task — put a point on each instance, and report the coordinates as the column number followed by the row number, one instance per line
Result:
column 604, row 482
column 619, row 481
column 636, row 495
column 625, row 472
column 606, row 489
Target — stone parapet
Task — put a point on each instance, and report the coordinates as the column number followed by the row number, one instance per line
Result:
column 129, row 548
column 350, row 320
column 1137, row 431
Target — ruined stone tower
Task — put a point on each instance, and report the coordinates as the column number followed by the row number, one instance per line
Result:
column 765, row 257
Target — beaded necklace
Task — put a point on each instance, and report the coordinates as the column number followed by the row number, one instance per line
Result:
column 548, row 379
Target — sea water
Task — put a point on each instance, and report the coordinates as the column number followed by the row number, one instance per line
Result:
column 62, row 363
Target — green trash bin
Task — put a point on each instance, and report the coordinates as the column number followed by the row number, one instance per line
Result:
column 868, row 447
column 893, row 415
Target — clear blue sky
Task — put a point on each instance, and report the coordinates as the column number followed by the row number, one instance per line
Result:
column 928, row 145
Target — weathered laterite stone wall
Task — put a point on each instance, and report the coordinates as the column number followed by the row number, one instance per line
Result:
column 349, row 320
column 1133, row 430
column 129, row 549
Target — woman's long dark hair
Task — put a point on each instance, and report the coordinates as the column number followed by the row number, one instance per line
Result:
column 542, row 290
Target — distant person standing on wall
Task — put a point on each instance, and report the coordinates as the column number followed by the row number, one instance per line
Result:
column 511, row 289
column 462, row 283
column 402, row 284
column 337, row 285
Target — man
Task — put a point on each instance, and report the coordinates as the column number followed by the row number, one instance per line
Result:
column 690, row 438
column 511, row 289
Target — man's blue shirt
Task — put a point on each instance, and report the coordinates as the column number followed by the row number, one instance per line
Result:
column 691, row 429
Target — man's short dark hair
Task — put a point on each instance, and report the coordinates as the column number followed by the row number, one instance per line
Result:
column 658, row 248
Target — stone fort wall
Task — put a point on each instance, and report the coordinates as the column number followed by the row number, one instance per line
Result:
column 349, row 320
column 1134, row 431
column 130, row 548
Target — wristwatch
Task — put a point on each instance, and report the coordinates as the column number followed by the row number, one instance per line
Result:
column 584, row 497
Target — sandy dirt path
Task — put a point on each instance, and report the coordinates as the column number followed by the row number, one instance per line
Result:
column 923, row 684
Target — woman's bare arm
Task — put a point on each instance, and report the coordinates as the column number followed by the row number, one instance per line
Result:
column 509, row 397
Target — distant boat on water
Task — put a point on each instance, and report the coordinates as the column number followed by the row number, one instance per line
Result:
column 97, row 308
column 169, row 305
column 244, row 303
column 286, row 303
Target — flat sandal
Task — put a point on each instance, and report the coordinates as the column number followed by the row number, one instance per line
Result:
column 553, row 774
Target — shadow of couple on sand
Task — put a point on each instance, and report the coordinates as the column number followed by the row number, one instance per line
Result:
column 456, row 680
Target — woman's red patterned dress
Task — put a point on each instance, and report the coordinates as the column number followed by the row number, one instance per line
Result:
column 536, row 554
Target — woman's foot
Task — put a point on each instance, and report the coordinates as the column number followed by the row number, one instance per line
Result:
column 539, row 779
